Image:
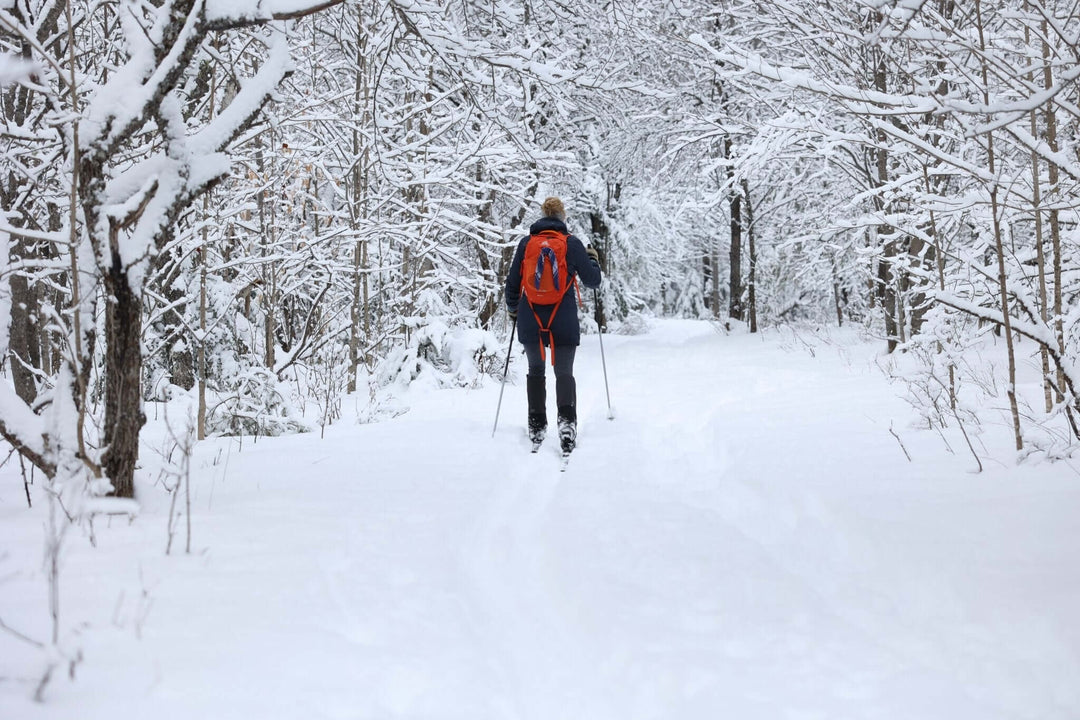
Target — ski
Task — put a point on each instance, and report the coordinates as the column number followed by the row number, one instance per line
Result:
column 535, row 448
column 564, row 462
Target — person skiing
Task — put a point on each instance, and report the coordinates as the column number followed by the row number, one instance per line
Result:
column 541, row 300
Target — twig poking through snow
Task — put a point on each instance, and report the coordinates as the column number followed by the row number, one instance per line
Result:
column 24, row 638
column 893, row 432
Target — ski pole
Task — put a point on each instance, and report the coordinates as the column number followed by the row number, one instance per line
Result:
column 603, row 361
column 506, row 371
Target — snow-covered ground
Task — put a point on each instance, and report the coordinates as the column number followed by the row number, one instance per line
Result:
column 745, row 540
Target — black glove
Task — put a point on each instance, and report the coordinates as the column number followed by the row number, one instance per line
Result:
column 513, row 314
column 591, row 252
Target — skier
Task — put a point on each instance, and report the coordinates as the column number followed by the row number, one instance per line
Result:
column 545, row 323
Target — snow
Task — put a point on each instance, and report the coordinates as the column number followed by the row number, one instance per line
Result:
column 746, row 540
column 14, row 69
column 20, row 419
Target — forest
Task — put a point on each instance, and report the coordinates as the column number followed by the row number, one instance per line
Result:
column 272, row 206
column 256, row 204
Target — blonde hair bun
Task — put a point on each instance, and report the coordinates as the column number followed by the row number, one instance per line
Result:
column 553, row 208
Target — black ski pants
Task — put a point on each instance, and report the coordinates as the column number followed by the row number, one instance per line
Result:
column 565, row 385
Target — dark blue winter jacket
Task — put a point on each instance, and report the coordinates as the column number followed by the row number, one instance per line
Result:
column 564, row 327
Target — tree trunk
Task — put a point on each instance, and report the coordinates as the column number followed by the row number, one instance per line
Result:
column 1055, row 221
column 180, row 363
column 751, row 280
column 735, row 308
column 358, row 207
column 354, row 319
column 999, row 245
column 201, row 416
column 837, row 303
column 920, row 254
column 203, row 260
column 1040, row 254
column 887, row 289
column 486, row 217
column 601, row 235
column 714, row 285
column 267, row 241
column 887, row 271
column 22, row 338
column 124, row 417
column 24, row 342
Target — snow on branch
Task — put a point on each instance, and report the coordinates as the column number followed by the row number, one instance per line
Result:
column 254, row 94
column 869, row 102
column 131, row 95
column 1039, row 146
column 231, row 14
column 877, row 103
column 423, row 20
column 22, row 429
column 128, row 99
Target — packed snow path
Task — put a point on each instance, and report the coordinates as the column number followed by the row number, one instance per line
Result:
column 745, row 540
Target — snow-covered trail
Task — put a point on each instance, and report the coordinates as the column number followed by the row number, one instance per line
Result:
column 745, row 540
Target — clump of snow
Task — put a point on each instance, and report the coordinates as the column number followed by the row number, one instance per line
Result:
column 14, row 69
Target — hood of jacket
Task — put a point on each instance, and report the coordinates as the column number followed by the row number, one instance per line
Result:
column 548, row 223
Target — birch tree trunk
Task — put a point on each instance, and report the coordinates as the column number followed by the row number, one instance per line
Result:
column 1053, row 176
column 751, row 280
column 1040, row 253
column 999, row 244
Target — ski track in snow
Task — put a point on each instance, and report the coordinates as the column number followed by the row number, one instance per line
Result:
column 745, row 540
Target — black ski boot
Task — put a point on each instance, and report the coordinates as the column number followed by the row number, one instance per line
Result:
column 536, row 391
column 568, row 429
column 537, row 430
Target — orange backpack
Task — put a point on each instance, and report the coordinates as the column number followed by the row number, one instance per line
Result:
column 545, row 277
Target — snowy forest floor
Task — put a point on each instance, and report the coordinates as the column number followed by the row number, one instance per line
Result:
column 745, row 540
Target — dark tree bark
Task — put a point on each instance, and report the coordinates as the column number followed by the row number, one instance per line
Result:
column 22, row 350
column 924, row 255
column 24, row 341
column 124, row 417
column 751, row 289
column 886, row 289
column 887, row 281
column 180, row 363
column 601, row 233
column 486, row 215
column 707, row 280
column 735, row 306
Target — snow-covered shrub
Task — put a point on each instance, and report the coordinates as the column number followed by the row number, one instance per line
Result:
column 447, row 356
column 942, row 383
column 635, row 324
column 953, row 373
column 254, row 404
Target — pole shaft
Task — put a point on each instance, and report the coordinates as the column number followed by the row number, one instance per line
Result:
column 603, row 360
column 502, row 387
